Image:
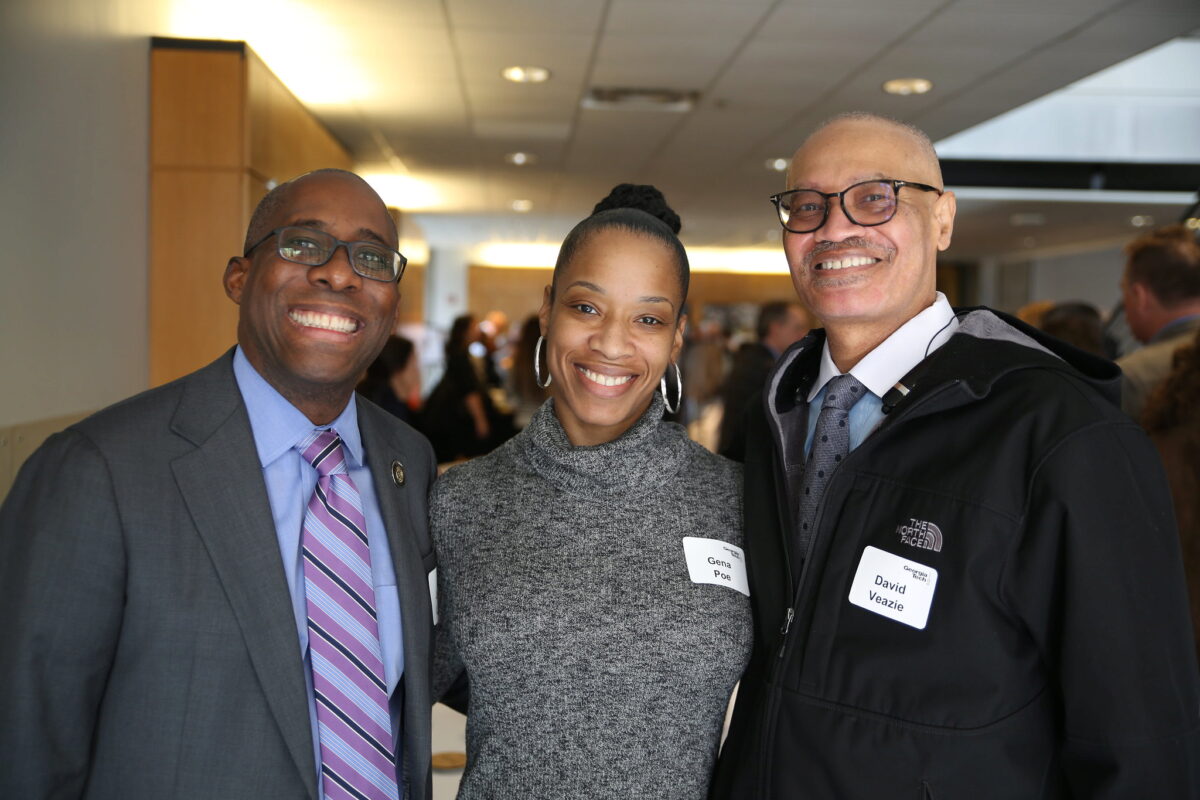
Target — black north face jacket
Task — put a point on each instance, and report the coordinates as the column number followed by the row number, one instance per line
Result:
column 1005, row 488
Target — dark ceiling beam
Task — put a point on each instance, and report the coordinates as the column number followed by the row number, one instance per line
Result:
column 1072, row 175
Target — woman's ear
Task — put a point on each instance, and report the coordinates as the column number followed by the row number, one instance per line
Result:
column 544, row 311
column 677, row 345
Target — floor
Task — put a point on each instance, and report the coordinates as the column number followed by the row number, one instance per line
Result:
column 449, row 733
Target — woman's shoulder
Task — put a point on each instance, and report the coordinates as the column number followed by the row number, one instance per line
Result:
column 707, row 465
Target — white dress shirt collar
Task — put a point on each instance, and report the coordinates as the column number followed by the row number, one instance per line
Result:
column 880, row 369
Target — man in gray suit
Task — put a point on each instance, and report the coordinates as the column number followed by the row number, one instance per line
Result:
column 173, row 570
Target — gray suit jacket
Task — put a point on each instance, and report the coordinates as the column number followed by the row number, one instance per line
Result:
column 147, row 641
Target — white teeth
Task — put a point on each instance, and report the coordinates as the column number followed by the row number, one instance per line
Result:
column 605, row 380
column 853, row 261
column 329, row 322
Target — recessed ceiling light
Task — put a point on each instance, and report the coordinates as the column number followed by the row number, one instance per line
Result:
column 907, row 86
column 777, row 164
column 1141, row 220
column 519, row 74
column 520, row 159
column 522, row 206
column 1193, row 223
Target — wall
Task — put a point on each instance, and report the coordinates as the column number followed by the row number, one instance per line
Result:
column 1091, row 277
column 73, row 203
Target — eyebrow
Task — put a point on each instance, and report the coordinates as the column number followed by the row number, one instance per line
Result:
column 643, row 299
column 362, row 234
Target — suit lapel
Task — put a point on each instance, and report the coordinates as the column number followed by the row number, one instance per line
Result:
column 396, row 506
column 222, row 484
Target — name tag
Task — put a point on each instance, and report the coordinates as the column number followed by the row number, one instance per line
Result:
column 433, row 594
column 894, row 587
column 716, row 562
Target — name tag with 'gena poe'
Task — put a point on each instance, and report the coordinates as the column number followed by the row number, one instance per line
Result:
column 894, row 587
column 716, row 562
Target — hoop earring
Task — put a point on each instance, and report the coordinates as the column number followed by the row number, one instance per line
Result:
column 662, row 386
column 537, row 369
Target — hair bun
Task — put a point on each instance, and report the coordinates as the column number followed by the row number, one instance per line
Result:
column 642, row 197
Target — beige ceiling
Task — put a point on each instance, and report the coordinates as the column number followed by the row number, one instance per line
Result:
column 766, row 71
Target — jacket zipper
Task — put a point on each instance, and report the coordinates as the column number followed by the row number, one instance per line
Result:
column 768, row 734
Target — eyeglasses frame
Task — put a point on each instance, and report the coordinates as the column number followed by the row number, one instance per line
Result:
column 337, row 243
column 841, row 196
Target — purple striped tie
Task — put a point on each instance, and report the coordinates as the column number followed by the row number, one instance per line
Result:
column 357, row 757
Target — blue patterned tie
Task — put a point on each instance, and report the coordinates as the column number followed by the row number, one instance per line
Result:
column 357, row 756
column 830, row 444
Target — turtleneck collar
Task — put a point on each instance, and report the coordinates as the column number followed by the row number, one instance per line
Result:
column 644, row 457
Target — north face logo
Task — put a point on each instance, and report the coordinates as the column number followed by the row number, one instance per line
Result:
column 921, row 533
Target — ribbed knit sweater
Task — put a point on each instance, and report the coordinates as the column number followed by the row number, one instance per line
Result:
column 597, row 668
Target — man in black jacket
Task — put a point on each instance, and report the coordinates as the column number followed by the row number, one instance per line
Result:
column 965, row 576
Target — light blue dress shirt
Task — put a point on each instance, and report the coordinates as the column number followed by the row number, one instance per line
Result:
column 278, row 427
column 880, row 369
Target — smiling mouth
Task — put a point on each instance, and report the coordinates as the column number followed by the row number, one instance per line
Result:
column 845, row 263
column 327, row 322
column 604, row 380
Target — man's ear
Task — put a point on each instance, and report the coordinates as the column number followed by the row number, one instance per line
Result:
column 943, row 215
column 1139, row 296
column 235, row 277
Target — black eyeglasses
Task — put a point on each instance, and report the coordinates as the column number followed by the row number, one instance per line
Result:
column 313, row 248
column 868, row 204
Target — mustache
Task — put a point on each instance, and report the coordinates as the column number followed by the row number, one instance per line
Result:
column 852, row 243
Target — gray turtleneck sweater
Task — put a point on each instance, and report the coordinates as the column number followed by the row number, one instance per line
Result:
column 597, row 667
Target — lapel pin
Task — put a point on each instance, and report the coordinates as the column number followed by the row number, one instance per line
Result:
column 397, row 473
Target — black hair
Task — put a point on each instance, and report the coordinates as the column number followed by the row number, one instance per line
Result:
column 393, row 358
column 456, row 340
column 637, row 208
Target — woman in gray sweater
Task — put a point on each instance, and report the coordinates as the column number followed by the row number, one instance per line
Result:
column 591, row 576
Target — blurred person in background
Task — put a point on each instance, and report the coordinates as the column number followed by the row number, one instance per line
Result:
column 460, row 417
column 1172, row 418
column 526, row 394
column 393, row 381
column 1076, row 323
column 591, row 577
column 1160, row 290
column 780, row 324
column 1032, row 312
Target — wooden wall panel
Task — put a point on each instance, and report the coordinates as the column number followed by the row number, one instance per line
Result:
column 516, row 292
column 412, row 295
column 196, row 108
column 193, row 232
column 285, row 139
column 222, row 126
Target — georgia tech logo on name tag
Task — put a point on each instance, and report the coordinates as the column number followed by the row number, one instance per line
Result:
column 716, row 562
column 894, row 587
column 920, row 533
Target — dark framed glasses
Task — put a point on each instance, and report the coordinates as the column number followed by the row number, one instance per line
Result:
column 868, row 204
column 313, row 248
